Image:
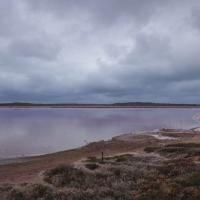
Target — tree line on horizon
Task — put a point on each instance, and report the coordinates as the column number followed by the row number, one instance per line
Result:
column 97, row 104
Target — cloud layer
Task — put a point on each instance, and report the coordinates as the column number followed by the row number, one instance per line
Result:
column 100, row 51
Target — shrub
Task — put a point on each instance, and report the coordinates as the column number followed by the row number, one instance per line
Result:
column 92, row 166
column 177, row 167
column 16, row 194
column 188, row 145
column 92, row 159
column 31, row 192
column 190, row 180
column 151, row 149
column 122, row 158
column 65, row 176
column 5, row 187
column 37, row 191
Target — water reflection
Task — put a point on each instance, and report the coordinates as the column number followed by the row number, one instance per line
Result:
column 38, row 131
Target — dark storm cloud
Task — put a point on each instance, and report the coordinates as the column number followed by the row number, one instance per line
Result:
column 107, row 12
column 196, row 18
column 99, row 51
column 36, row 48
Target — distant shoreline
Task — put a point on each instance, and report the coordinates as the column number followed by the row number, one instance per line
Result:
column 98, row 105
column 91, row 106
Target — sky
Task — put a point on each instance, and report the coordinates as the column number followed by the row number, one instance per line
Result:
column 100, row 51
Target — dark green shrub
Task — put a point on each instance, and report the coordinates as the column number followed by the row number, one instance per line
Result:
column 92, row 159
column 37, row 191
column 6, row 187
column 190, row 180
column 92, row 166
column 151, row 149
column 65, row 176
column 16, row 194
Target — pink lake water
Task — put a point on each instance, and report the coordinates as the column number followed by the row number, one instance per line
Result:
column 40, row 131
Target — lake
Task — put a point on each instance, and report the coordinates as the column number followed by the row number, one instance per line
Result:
column 46, row 130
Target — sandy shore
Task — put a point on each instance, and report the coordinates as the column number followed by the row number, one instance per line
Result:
column 27, row 169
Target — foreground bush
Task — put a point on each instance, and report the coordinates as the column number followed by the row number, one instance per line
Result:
column 92, row 166
column 65, row 176
column 192, row 179
column 31, row 192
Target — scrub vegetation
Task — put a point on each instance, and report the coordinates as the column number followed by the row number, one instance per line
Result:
column 168, row 170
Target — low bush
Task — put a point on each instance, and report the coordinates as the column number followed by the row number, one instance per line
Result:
column 190, row 179
column 16, row 194
column 65, row 176
column 122, row 158
column 31, row 192
column 186, row 145
column 38, row 191
column 92, row 166
column 177, row 167
column 92, row 159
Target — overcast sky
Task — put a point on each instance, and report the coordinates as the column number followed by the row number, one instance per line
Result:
column 100, row 51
